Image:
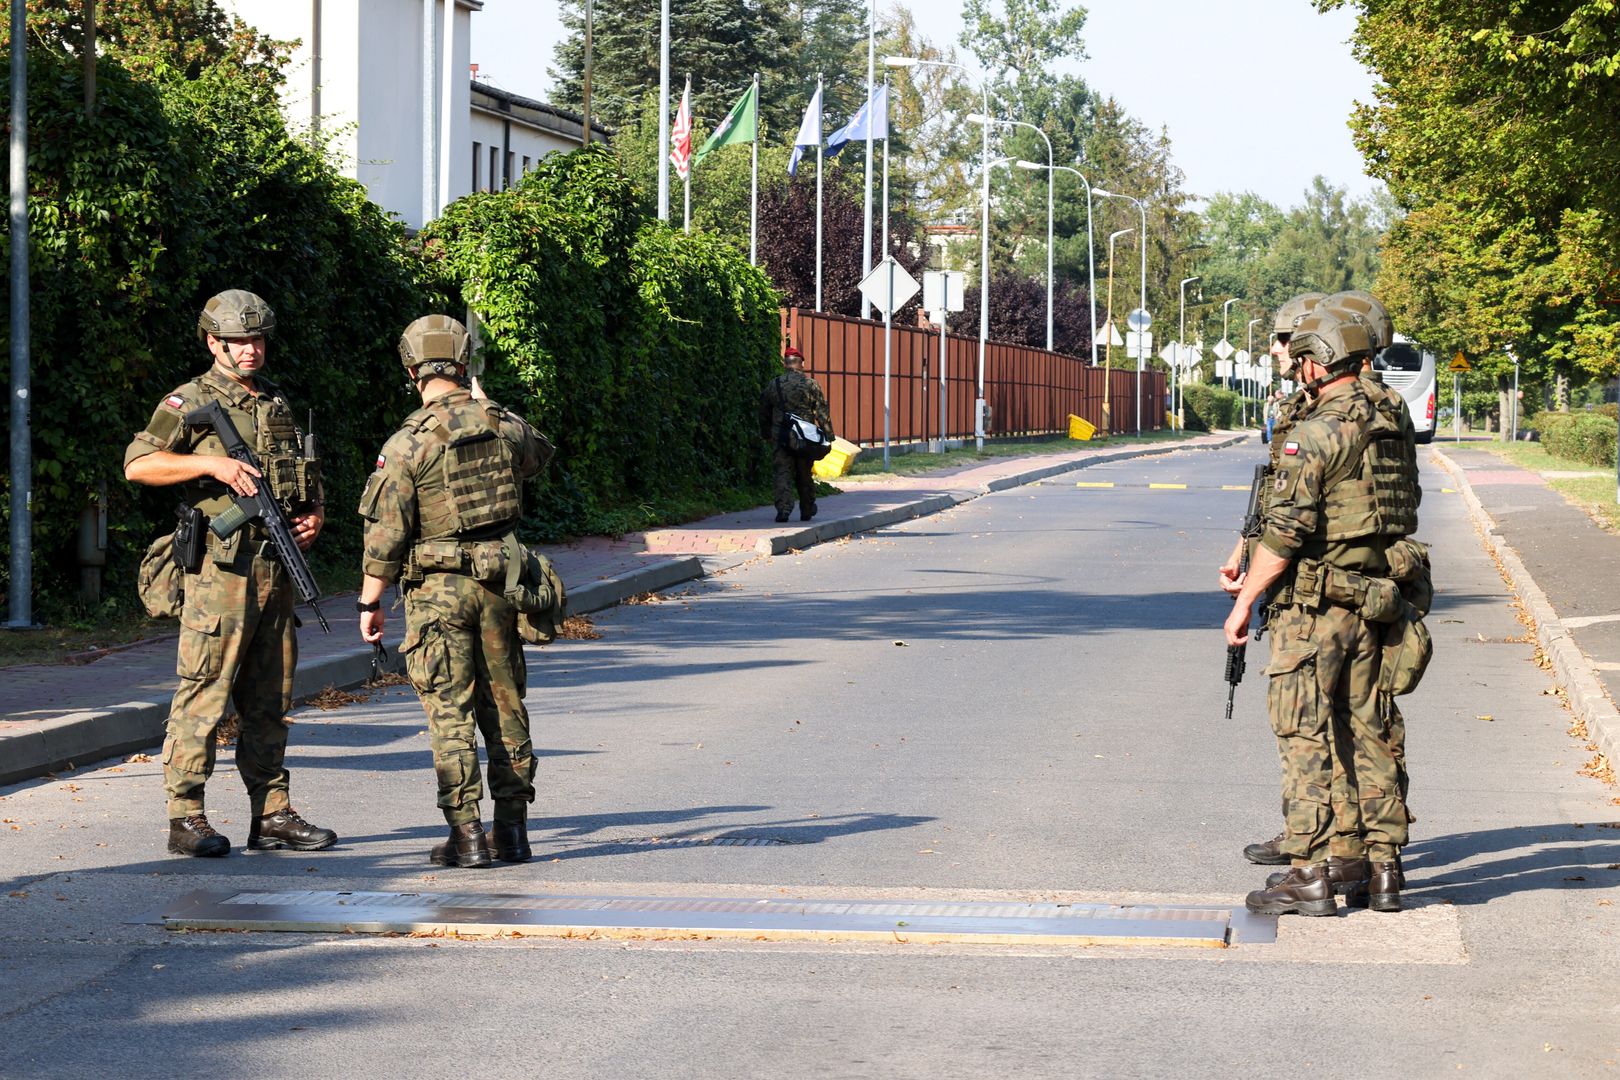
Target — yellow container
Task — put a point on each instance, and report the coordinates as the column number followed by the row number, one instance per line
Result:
column 1081, row 429
column 837, row 462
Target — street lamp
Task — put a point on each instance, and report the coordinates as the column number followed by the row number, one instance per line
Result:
column 1181, row 343
column 1226, row 309
column 1091, row 265
column 984, row 227
column 979, row 118
column 1141, row 353
column 1253, row 378
column 1108, row 350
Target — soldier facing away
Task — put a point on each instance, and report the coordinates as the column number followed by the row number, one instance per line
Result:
column 795, row 392
column 238, row 639
column 441, row 510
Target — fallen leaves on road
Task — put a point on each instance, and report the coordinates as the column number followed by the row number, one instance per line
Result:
column 578, row 628
column 1600, row 770
column 902, row 644
column 20, row 895
column 642, row 598
column 138, row 759
column 228, row 728
column 387, row 678
column 333, row 698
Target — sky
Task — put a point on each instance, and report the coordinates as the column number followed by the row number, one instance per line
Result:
column 1291, row 71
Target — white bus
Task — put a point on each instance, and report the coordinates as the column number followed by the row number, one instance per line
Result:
column 1409, row 368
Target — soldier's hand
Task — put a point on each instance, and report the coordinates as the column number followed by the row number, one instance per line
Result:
column 236, row 475
column 371, row 626
column 1231, row 580
column 1237, row 625
column 306, row 527
column 477, row 390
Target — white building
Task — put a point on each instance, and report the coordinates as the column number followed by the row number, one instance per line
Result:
column 389, row 81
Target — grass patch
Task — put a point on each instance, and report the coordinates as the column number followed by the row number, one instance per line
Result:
column 73, row 636
column 1594, row 494
column 869, row 466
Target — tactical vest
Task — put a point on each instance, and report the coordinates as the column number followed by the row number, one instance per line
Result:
column 469, row 489
column 266, row 423
column 1376, row 492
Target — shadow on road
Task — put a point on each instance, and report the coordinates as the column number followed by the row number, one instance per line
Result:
column 1478, row 867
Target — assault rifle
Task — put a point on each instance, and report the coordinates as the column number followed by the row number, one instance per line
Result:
column 261, row 507
column 1236, row 659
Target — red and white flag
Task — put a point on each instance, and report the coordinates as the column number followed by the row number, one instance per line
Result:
column 680, row 136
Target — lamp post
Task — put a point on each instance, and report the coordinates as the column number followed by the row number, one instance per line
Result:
column 978, row 118
column 1226, row 309
column 1255, row 381
column 984, row 227
column 1141, row 353
column 1181, row 343
column 1091, row 265
column 1108, row 350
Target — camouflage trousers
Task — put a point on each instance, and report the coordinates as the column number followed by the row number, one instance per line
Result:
column 793, row 478
column 1347, row 841
column 238, row 645
column 465, row 659
column 1327, row 713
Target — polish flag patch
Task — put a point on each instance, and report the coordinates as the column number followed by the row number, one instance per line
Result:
column 1290, row 448
column 381, row 461
column 174, row 401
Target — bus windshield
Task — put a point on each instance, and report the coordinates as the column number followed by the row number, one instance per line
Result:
column 1399, row 357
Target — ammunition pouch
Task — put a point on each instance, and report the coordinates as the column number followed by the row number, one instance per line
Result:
column 1409, row 565
column 534, row 588
column 1313, row 583
column 160, row 582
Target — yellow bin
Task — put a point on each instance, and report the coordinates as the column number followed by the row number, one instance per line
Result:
column 838, row 460
column 1081, row 429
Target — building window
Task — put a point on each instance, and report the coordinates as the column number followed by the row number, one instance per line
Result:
column 510, row 159
column 494, row 168
column 478, row 152
column 525, row 163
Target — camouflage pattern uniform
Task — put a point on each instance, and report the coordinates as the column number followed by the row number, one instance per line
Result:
column 447, row 489
column 797, row 393
column 1346, row 487
column 238, row 642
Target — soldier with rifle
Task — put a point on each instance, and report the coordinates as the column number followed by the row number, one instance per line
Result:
column 250, row 505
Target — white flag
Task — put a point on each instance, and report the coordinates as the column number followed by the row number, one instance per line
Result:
column 809, row 132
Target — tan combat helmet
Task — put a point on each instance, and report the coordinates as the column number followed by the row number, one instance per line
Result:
column 435, row 345
column 235, row 314
column 1366, row 305
column 1339, row 340
column 1290, row 313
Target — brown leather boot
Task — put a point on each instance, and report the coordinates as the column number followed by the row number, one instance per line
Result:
column 1304, row 890
column 467, row 846
column 1268, row 853
column 192, row 835
column 509, row 841
column 1384, row 886
column 1349, row 876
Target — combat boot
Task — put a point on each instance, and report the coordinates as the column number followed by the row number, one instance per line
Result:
column 192, row 835
column 285, row 829
column 467, row 846
column 1268, row 853
column 1349, row 877
column 509, row 841
column 1384, row 886
column 1304, row 890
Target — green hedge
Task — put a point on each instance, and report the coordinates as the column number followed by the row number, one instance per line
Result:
column 1210, row 407
column 640, row 351
column 1584, row 436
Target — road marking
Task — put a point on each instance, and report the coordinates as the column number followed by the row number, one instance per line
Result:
column 1579, row 621
column 1095, row 484
column 1448, row 491
column 1234, row 487
column 1173, row 487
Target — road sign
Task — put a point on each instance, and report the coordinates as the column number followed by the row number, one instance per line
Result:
column 1224, row 349
column 1109, row 335
column 1460, row 362
column 1168, row 354
column 875, row 286
column 1139, row 344
column 1243, row 357
column 1223, row 368
column 1139, row 319
column 942, row 290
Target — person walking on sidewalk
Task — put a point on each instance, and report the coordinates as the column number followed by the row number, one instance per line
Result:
column 1346, row 492
column 794, row 392
column 238, row 638
column 441, row 510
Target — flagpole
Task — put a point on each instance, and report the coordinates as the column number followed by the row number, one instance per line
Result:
column 663, row 111
column 888, row 301
column 821, row 112
column 866, row 190
column 753, row 195
column 686, row 181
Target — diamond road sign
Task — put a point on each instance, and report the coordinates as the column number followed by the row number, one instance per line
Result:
column 876, row 286
column 1224, row 349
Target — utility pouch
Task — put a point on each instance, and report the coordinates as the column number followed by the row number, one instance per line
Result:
column 487, row 559
column 1381, row 601
column 534, row 588
column 190, row 541
column 438, row 556
column 1305, row 590
column 160, row 582
column 1407, row 650
column 1409, row 565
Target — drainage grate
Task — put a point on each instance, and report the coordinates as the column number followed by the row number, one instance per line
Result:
column 483, row 914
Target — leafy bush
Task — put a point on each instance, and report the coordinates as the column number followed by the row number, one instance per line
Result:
column 1584, row 436
column 1210, row 407
column 638, row 350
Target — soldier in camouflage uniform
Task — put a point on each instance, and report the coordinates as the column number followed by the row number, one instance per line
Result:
column 237, row 636
column 795, row 392
column 1346, row 492
column 441, row 510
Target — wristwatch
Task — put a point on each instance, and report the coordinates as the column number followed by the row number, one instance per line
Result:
column 373, row 606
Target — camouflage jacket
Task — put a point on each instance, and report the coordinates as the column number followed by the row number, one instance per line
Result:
column 794, row 392
column 261, row 416
column 454, row 469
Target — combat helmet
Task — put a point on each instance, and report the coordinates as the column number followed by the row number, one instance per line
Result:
column 1339, row 340
column 1366, row 305
column 435, row 345
column 1290, row 313
column 235, row 314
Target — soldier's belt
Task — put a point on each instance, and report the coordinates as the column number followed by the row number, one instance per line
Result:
column 484, row 560
column 1314, row 584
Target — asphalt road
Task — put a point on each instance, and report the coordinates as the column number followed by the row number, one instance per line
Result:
column 1019, row 698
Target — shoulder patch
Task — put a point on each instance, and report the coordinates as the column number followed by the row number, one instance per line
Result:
column 1290, row 448
column 381, row 461
column 174, row 401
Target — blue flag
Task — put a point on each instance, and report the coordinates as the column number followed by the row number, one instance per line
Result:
column 875, row 112
column 809, row 132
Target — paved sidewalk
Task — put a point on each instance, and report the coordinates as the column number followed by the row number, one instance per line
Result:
column 118, row 702
column 1567, row 570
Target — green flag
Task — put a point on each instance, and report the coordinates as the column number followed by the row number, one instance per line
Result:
column 741, row 125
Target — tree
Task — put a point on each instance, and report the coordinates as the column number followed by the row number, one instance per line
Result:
column 1018, row 313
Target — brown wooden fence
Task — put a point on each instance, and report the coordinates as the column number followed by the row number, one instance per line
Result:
column 1030, row 391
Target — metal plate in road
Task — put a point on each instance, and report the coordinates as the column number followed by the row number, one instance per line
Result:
column 922, row 922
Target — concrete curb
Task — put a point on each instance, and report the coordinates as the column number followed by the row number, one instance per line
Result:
column 83, row 737
column 1573, row 668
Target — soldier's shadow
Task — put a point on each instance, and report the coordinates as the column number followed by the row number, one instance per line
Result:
column 1484, row 865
